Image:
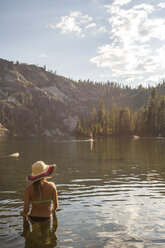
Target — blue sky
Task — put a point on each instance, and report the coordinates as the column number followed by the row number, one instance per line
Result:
column 100, row 40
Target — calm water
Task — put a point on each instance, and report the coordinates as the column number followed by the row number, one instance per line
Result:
column 111, row 193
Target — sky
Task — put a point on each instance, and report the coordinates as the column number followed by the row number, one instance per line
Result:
column 120, row 41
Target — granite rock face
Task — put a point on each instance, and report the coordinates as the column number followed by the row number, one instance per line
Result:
column 36, row 102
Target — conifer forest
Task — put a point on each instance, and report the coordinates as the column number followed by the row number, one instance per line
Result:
column 122, row 121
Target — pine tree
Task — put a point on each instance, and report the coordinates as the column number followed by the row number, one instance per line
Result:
column 78, row 129
column 83, row 122
column 114, row 120
column 101, row 113
column 94, row 116
column 152, row 113
column 93, row 121
column 161, row 116
column 141, row 122
column 99, row 129
column 106, row 126
column 95, row 133
column 125, row 121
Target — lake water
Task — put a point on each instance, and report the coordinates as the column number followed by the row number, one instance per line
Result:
column 111, row 193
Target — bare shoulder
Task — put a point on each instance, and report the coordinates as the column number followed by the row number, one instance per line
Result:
column 29, row 187
column 51, row 184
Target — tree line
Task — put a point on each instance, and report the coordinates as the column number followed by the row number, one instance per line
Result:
column 122, row 121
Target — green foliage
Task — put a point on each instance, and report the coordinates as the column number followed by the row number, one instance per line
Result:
column 26, row 107
column 149, row 121
column 125, row 126
column 101, row 113
column 161, row 116
column 152, row 112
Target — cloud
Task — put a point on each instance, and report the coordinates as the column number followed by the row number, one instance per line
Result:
column 154, row 79
column 161, row 5
column 132, row 50
column 91, row 25
column 121, row 2
column 42, row 56
column 75, row 22
column 101, row 29
column 123, row 62
column 70, row 23
column 129, row 25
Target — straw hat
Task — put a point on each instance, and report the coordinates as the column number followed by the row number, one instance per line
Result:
column 41, row 170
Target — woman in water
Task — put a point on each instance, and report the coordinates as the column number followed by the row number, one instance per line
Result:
column 40, row 193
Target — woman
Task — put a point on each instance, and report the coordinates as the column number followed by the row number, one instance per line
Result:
column 40, row 193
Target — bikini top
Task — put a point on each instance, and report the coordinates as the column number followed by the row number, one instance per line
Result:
column 41, row 201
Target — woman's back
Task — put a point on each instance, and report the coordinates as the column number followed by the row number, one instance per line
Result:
column 41, row 200
column 39, row 193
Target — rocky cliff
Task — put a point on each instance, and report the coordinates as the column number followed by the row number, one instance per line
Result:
column 34, row 101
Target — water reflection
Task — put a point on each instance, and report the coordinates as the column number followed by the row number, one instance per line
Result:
column 111, row 192
column 91, row 144
column 40, row 234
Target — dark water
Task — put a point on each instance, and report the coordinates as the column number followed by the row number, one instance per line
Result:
column 111, row 193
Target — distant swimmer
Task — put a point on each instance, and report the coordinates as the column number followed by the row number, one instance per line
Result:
column 135, row 137
column 90, row 137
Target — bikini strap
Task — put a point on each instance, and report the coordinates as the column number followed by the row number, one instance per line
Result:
column 41, row 201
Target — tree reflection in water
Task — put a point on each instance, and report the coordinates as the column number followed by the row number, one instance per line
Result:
column 40, row 234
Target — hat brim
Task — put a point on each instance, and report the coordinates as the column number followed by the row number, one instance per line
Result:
column 49, row 173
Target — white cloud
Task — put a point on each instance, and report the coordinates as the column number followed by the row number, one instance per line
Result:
column 154, row 79
column 152, row 29
column 42, row 56
column 161, row 5
column 132, row 52
column 160, row 55
column 101, row 29
column 129, row 25
column 91, row 25
column 121, row 61
column 121, row 2
column 69, row 23
column 75, row 22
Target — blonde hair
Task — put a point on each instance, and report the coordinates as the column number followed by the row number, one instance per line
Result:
column 38, row 187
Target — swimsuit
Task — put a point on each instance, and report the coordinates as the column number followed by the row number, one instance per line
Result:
column 38, row 218
column 41, row 201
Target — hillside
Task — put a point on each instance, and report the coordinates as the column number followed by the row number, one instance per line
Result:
column 34, row 101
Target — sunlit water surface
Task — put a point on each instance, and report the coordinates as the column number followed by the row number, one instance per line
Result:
column 111, row 193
